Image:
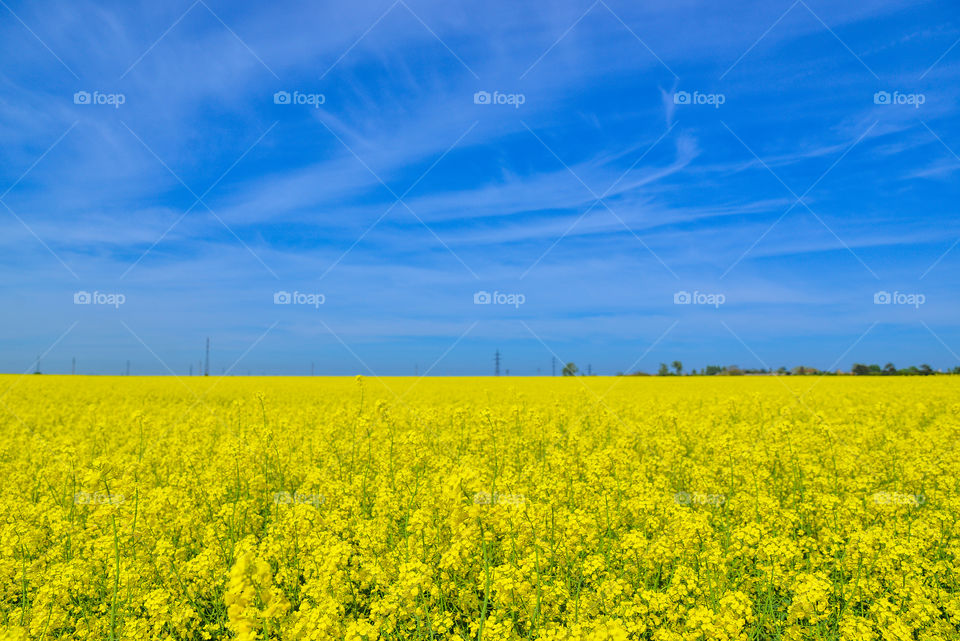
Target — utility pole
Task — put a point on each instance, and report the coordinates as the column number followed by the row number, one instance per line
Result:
column 311, row 368
column 589, row 369
column 73, row 366
column 206, row 369
column 553, row 365
column 496, row 360
column 128, row 368
column 36, row 369
column 191, row 369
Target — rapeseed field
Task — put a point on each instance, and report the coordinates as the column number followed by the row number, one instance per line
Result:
column 665, row 508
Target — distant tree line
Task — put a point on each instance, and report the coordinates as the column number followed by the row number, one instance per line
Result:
column 858, row 369
column 890, row 369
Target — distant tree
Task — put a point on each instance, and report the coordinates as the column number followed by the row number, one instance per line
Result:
column 925, row 370
column 889, row 369
column 678, row 366
column 664, row 370
column 804, row 371
column 875, row 369
column 713, row 370
column 860, row 369
column 570, row 369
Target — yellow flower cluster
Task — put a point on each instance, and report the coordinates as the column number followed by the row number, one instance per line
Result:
column 568, row 509
column 251, row 597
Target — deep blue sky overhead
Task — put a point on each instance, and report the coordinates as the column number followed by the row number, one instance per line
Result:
column 785, row 162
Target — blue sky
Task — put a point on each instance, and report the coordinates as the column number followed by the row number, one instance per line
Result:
column 778, row 165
